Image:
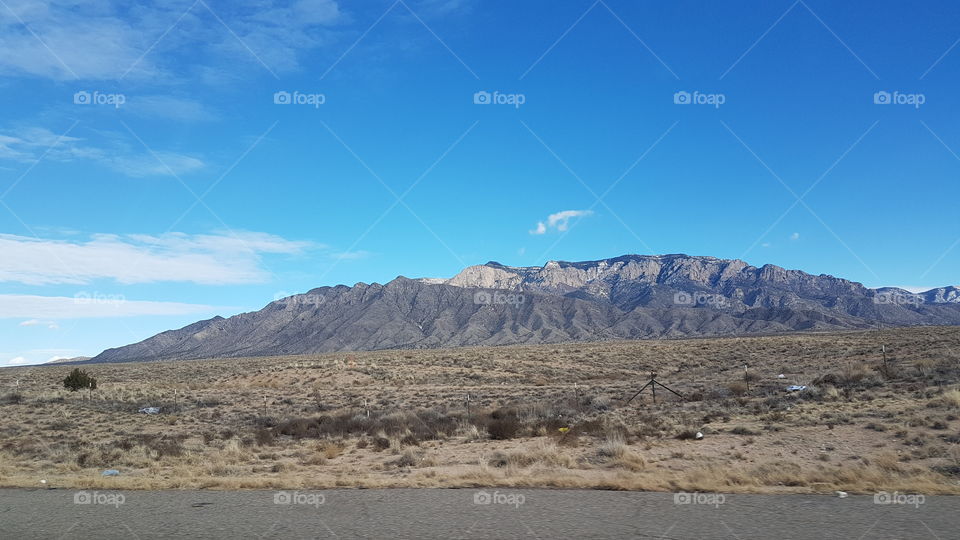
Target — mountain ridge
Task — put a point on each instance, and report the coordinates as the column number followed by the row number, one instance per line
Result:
column 626, row 297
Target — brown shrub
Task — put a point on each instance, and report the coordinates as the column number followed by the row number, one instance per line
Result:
column 737, row 388
column 408, row 459
column 503, row 428
column 331, row 450
column 381, row 443
column 263, row 437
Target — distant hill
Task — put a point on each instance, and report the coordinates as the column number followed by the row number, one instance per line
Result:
column 68, row 360
column 628, row 297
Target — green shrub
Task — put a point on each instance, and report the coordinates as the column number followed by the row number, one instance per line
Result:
column 78, row 379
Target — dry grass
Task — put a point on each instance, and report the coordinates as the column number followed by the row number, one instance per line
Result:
column 951, row 398
column 550, row 416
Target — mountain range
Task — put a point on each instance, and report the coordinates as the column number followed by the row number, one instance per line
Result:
column 628, row 297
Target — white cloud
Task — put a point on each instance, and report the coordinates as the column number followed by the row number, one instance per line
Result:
column 107, row 39
column 210, row 259
column 17, row 361
column 560, row 221
column 18, row 306
column 436, row 8
column 35, row 322
column 66, row 39
column 29, row 144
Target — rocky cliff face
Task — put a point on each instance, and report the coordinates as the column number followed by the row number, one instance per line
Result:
column 629, row 297
column 631, row 281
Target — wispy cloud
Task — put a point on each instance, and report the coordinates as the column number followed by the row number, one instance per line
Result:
column 68, row 40
column 17, row 361
column 436, row 8
column 211, row 259
column 36, row 322
column 104, row 40
column 29, row 144
column 559, row 221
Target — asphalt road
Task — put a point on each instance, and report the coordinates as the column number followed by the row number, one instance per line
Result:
column 465, row 513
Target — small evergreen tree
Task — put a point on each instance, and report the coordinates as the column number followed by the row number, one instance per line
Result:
column 78, row 379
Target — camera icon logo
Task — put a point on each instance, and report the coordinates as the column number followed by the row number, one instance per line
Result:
column 882, row 498
column 482, row 98
column 882, row 98
column 81, row 98
column 482, row 497
column 282, row 497
column 681, row 98
column 282, row 98
column 682, row 298
column 82, row 497
column 482, row 298
column 682, row 498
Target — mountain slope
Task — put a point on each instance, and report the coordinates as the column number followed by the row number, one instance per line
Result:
column 629, row 297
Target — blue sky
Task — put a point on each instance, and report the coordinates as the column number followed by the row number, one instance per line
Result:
column 173, row 161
